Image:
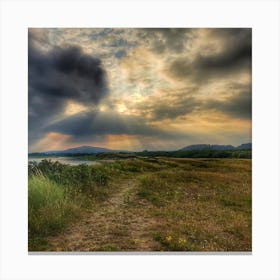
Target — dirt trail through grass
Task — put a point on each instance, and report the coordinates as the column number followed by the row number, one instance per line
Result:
column 121, row 223
column 143, row 205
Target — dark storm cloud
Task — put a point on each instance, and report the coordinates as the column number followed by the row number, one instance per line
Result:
column 87, row 125
column 235, row 56
column 57, row 75
column 237, row 106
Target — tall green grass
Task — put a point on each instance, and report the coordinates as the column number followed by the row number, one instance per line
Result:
column 58, row 193
column 50, row 208
column 83, row 178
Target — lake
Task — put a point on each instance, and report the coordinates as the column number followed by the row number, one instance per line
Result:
column 64, row 160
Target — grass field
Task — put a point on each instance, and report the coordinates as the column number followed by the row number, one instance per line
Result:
column 141, row 204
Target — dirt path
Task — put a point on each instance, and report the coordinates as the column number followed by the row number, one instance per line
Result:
column 122, row 223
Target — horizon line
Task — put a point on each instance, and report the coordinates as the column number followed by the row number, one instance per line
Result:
column 144, row 149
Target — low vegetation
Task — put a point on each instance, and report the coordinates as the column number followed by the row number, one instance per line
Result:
column 141, row 204
column 50, row 208
column 202, row 205
column 59, row 193
column 204, row 153
column 207, row 153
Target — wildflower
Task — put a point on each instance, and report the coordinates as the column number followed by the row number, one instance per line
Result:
column 182, row 241
column 169, row 238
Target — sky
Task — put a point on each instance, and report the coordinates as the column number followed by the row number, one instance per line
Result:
column 138, row 89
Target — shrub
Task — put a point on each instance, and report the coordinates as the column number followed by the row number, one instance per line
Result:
column 84, row 178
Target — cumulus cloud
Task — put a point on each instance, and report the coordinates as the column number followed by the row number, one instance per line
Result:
column 233, row 57
column 59, row 74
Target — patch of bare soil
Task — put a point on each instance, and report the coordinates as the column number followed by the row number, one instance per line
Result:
column 122, row 223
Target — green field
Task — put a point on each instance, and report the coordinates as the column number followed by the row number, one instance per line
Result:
column 141, row 204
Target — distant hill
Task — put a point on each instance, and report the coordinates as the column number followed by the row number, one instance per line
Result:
column 200, row 147
column 100, row 150
column 247, row 146
column 83, row 150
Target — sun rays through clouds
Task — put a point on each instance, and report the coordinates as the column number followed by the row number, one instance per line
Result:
column 137, row 88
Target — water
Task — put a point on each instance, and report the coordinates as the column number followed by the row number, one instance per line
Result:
column 64, row 160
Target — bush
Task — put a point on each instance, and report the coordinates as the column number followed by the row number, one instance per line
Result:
column 84, row 178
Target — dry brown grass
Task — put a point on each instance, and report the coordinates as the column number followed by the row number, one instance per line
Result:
column 168, row 204
column 202, row 205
